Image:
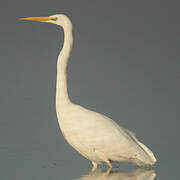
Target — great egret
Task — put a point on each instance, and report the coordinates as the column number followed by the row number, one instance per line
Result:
column 95, row 136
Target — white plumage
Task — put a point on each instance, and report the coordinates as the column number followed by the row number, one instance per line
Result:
column 95, row 136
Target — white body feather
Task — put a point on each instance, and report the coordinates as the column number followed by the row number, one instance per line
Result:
column 99, row 138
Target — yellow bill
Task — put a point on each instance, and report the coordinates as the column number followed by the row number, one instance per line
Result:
column 41, row 19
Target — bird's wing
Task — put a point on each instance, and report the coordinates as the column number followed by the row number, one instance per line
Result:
column 89, row 131
column 102, row 133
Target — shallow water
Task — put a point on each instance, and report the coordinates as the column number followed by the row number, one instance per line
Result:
column 20, row 164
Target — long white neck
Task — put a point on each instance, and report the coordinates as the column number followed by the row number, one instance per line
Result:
column 62, row 97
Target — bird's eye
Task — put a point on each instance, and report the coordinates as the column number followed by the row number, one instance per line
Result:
column 54, row 18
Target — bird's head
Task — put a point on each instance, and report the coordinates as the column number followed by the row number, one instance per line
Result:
column 58, row 19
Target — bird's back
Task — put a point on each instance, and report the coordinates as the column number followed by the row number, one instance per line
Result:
column 93, row 134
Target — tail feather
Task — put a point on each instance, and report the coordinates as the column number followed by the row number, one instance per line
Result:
column 150, row 158
column 149, row 152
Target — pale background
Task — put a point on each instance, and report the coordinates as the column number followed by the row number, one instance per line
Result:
column 124, row 64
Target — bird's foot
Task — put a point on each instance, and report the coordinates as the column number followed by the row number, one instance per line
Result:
column 109, row 165
column 94, row 166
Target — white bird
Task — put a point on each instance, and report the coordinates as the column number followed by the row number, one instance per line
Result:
column 95, row 136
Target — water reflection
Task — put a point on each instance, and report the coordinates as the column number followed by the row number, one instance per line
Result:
column 138, row 174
